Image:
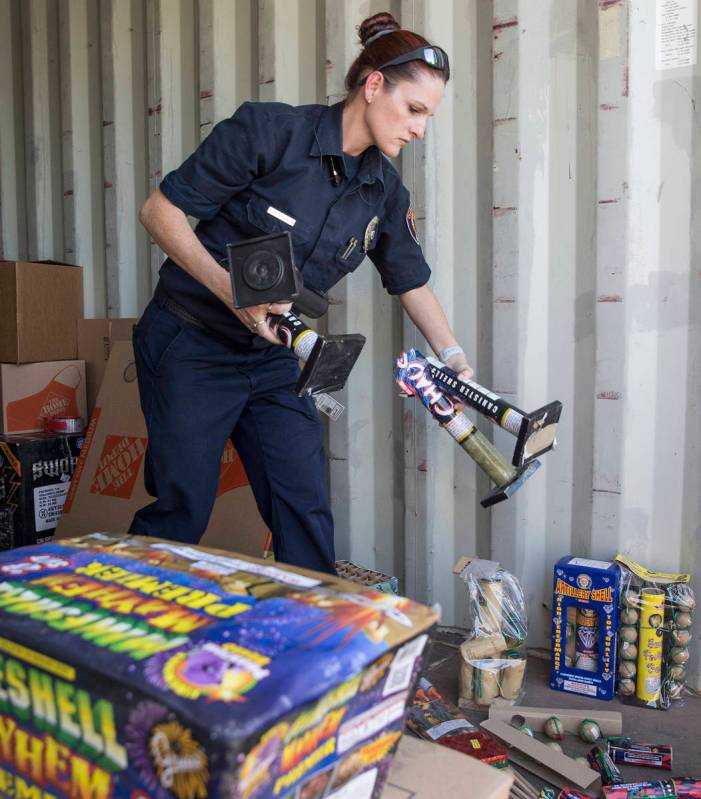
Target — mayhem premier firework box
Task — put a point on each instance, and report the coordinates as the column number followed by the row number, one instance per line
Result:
column 95, row 339
column 35, row 473
column 39, row 306
column 585, row 618
column 108, row 487
column 137, row 667
column 31, row 392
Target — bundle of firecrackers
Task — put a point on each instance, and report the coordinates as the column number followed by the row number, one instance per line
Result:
column 655, row 620
column 427, row 717
column 493, row 658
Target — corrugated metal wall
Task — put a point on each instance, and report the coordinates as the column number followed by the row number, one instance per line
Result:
column 559, row 198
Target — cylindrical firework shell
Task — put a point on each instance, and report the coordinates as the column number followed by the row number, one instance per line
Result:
column 679, row 654
column 681, row 637
column 682, row 620
column 484, row 647
column 629, row 634
column 628, row 651
column 511, row 678
column 627, row 669
column 485, row 682
column 491, row 593
column 676, row 672
column 629, row 616
column 466, row 676
column 647, row 686
column 488, row 458
column 587, row 645
column 553, row 728
column 626, row 687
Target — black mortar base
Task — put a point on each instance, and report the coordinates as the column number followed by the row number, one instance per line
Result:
column 500, row 493
column 330, row 363
column 533, row 423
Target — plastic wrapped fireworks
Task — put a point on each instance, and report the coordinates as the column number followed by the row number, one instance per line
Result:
column 432, row 717
column 656, row 616
column 493, row 661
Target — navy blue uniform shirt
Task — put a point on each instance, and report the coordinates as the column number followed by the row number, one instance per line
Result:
column 266, row 170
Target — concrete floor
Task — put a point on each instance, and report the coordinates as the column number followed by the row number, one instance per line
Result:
column 680, row 726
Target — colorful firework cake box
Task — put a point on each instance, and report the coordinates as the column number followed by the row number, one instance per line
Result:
column 135, row 668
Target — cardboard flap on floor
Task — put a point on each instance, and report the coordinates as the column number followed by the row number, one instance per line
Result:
column 541, row 760
column 424, row 770
column 610, row 721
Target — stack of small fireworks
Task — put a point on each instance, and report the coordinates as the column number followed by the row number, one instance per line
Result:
column 674, row 789
column 633, row 753
column 657, row 611
column 600, row 760
column 493, row 662
column 432, row 717
column 585, row 602
column 377, row 581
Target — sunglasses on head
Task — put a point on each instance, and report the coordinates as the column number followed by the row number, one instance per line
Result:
column 434, row 56
column 430, row 54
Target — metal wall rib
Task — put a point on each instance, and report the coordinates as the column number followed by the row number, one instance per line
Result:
column 558, row 197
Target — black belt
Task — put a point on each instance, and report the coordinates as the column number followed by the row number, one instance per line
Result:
column 161, row 297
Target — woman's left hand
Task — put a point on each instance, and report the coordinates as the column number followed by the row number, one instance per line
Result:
column 459, row 364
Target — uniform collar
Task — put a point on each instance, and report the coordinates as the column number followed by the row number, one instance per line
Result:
column 328, row 140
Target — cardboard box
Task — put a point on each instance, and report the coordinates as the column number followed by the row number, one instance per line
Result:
column 423, row 770
column 108, row 487
column 35, row 474
column 32, row 391
column 186, row 672
column 39, row 306
column 95, row 339
column 585, row 620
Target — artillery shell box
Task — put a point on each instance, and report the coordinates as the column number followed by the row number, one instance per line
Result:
column 134, row 667
column 35, row 474
column 585, row 620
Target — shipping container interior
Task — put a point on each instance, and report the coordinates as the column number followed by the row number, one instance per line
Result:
column 558, row 200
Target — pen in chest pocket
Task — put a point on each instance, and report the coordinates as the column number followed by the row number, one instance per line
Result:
column 352, row 244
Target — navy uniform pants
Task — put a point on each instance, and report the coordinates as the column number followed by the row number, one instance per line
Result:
column 195, row 394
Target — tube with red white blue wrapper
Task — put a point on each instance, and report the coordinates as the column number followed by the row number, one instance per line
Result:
column 412, row 374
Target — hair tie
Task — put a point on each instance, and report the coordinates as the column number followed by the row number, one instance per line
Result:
column 378, row 34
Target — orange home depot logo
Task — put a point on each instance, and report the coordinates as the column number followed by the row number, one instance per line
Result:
column 232, row 474
column 118, row 466
column 57, row 398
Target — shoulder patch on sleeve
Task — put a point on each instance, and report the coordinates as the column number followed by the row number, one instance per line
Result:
column 411, row 224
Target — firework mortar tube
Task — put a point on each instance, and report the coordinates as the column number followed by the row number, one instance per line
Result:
column 328, row 360
column 412, row 374
column 535, row 432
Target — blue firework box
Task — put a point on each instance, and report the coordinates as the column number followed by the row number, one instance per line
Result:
column 584, row 629
column 138, row 668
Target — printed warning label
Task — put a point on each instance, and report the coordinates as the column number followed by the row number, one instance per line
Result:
column 48, row 505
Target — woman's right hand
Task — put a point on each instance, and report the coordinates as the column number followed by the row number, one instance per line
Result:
column 255, row 317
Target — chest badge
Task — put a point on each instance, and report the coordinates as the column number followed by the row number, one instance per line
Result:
column 370, row 233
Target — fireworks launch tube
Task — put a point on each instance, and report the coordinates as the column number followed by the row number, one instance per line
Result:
column 535, row 432
column 328, row 360
column 412, row 374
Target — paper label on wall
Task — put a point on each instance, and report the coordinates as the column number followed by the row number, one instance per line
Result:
column 48, row 505
column 676, row 34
